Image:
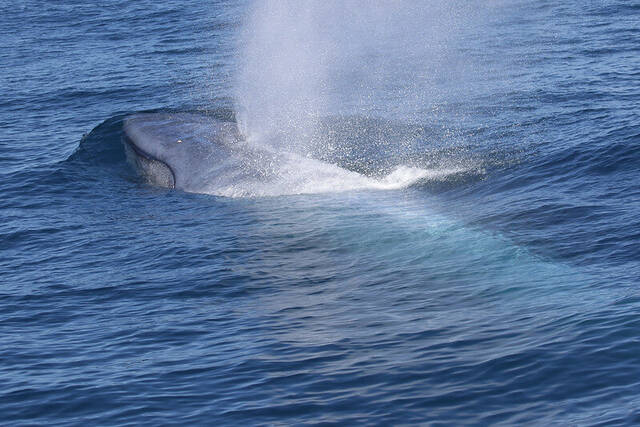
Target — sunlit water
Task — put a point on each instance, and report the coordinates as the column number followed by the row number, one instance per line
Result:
column 483, row 270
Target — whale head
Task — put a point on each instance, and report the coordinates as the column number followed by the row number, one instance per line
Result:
column 177, row 150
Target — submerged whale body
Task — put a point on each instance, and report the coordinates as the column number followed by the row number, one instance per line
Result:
column 197, row 153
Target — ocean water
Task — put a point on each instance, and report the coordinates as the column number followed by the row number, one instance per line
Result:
column 458, row 244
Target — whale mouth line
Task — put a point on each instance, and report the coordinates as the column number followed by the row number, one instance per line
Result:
column 145, row 160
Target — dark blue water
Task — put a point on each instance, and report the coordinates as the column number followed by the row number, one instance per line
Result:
column 504, row 292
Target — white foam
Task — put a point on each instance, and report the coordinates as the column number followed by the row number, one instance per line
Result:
column 301, row 175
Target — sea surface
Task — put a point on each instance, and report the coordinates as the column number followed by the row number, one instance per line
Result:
column 499, row 285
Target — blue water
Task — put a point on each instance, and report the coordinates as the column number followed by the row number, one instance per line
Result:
column 505, row 292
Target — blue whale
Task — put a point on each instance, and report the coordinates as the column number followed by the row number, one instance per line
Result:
column 197, row 153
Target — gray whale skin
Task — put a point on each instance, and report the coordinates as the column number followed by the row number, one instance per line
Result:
column 180, row 150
